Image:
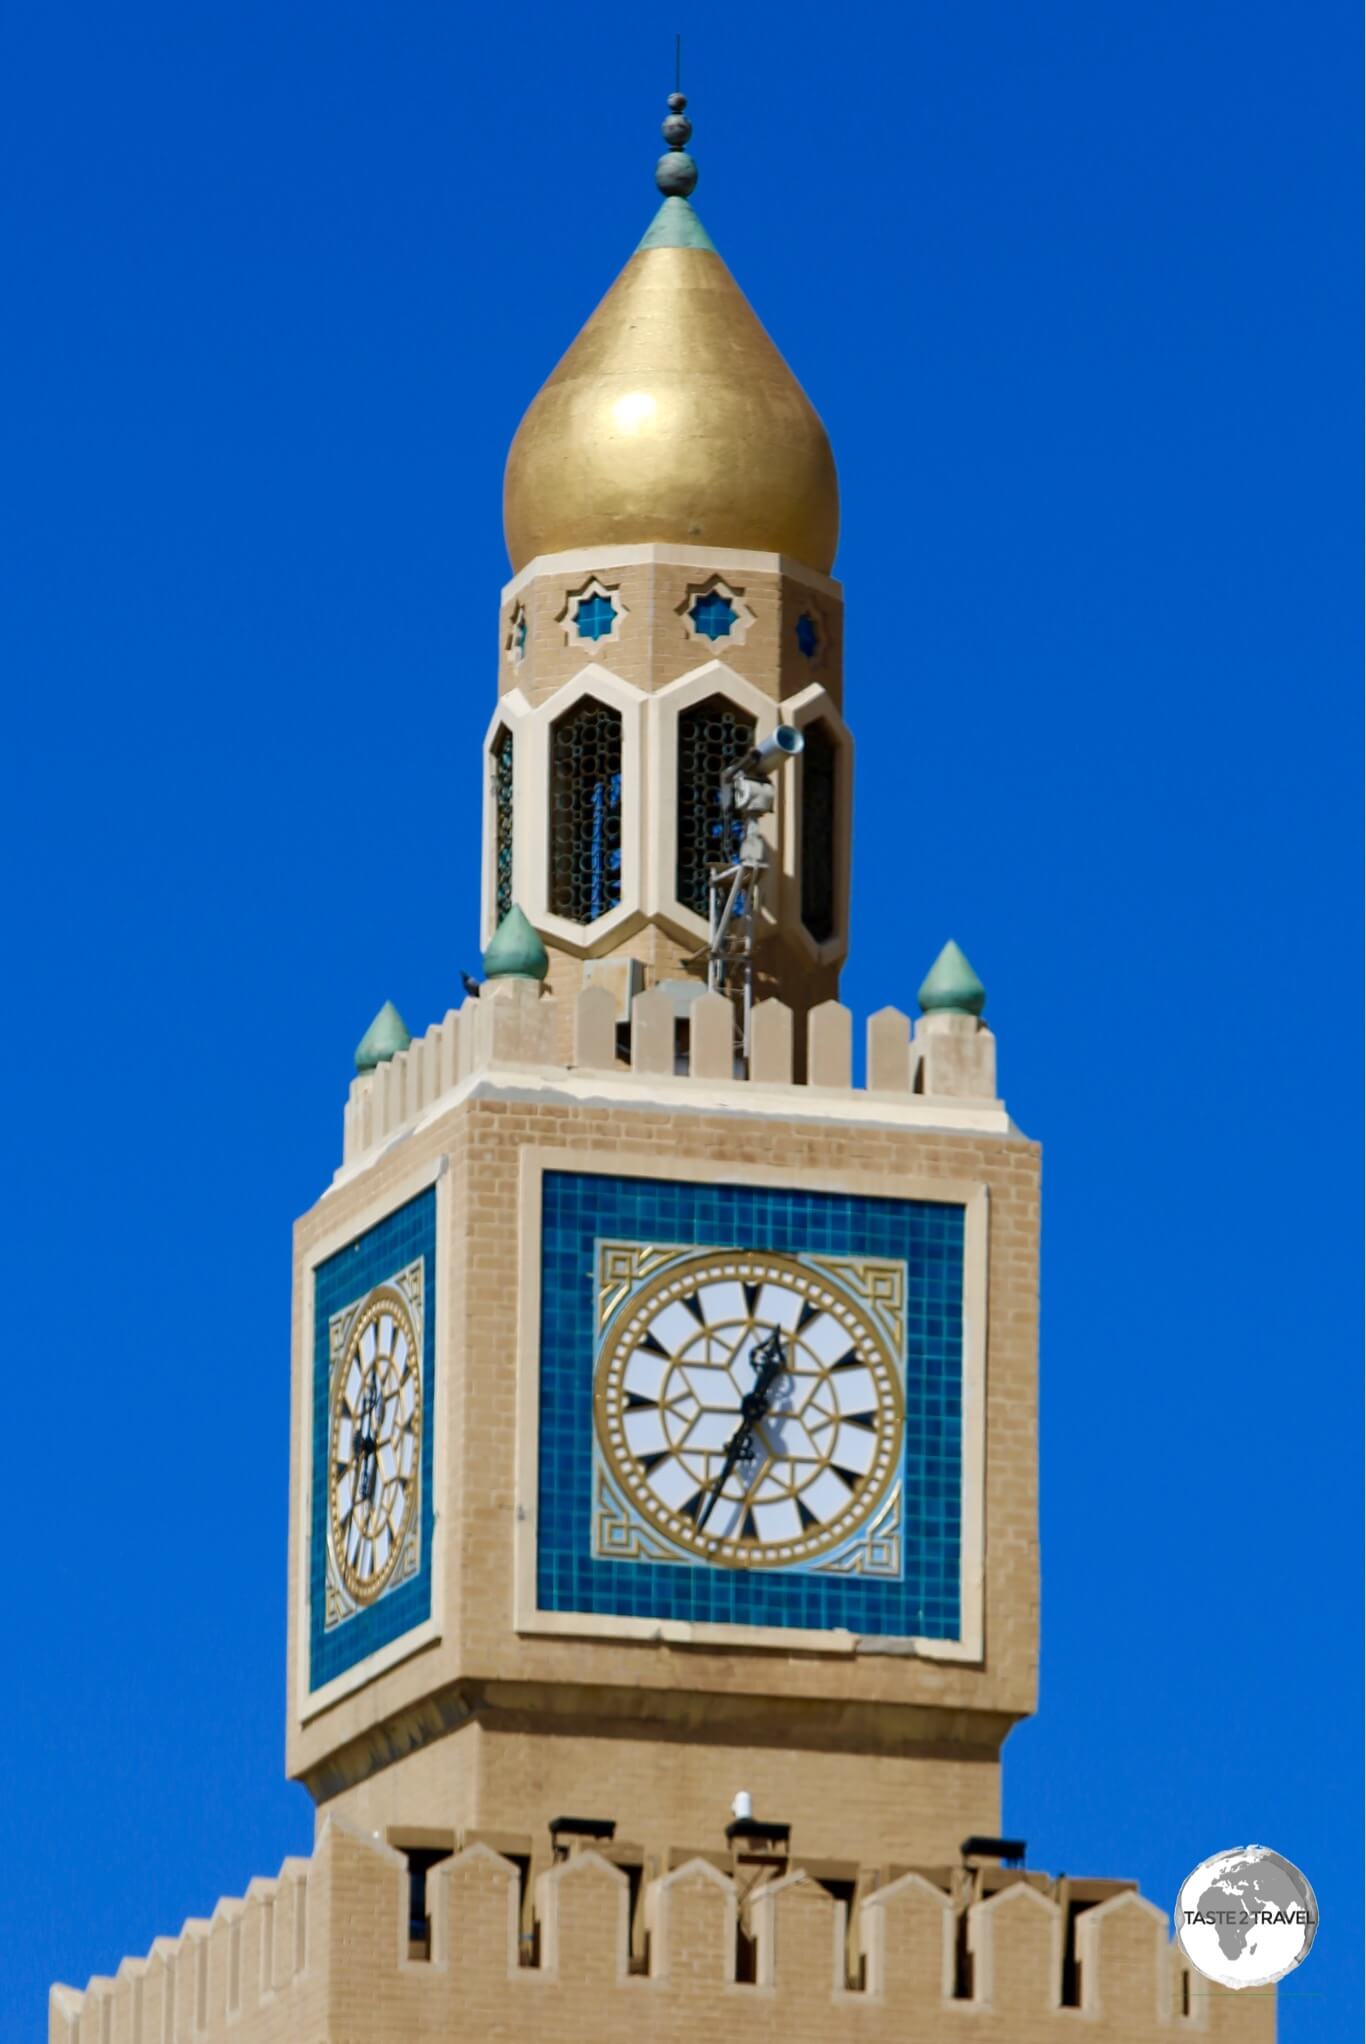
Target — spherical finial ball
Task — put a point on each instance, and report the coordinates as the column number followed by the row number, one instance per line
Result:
column 676, row 174
column 676, row 131
column 677, row 102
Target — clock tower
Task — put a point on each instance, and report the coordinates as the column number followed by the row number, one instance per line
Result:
column 664, row 1403
column 663, row 1557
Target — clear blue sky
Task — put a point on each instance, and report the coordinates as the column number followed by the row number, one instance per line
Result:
column 1075, row 288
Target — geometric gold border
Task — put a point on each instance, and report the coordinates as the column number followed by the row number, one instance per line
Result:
column 877, row 1550
column 879, row 1284
column 845, row 1287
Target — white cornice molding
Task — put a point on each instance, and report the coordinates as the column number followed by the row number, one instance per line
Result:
column 708, row 560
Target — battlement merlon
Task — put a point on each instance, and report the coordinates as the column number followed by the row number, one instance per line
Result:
column 942, row 1074
column 326, row 1950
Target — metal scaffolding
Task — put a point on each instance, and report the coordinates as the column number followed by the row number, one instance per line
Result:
column 734, row 890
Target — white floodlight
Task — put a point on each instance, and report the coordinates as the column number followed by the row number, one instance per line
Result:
column 783, row 743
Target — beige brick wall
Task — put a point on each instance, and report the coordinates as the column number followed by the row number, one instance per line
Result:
column 669, row 1783
column 323, row 1955
column 655, row 647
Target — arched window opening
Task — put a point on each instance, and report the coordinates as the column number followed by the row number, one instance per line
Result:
column 711, row 736
column 585, row 812
column 818, row 762
column 501, row 757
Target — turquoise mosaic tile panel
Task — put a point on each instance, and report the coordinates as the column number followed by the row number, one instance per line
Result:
column 404, row 1236
column 581, row 1208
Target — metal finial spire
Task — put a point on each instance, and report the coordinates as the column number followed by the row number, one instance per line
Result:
column 675, row 172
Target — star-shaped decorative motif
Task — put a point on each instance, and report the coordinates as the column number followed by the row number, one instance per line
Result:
column 713, row 616
column 595, row 616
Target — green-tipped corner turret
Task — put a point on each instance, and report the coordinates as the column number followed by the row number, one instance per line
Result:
column 385, row 1038
column 951, row 986
column 515, row 951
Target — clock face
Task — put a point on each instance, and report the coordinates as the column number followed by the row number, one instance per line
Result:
column 748, row 1409
column 375, row 1434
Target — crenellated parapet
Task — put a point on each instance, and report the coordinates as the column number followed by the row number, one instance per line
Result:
column 247, row 1965
column 325, row 1952
column 670, row 1046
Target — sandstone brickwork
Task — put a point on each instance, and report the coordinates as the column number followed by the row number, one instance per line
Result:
column 654, row 646
column 324, row 1955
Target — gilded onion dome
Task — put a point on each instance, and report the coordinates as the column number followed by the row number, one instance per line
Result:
column 672, row 416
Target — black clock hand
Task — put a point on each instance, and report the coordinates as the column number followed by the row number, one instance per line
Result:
column 769, row 1370
column 365, row 1445
column 753, row 1407
column 735, row 1448
column 739, row 1448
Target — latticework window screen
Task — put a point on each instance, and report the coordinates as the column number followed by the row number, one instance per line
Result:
column 585, row 812
column 501, row 756
column 711, row 736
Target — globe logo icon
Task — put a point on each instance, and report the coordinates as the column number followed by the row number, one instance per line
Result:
column 1247, row 1917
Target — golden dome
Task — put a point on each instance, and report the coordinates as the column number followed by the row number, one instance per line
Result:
column 672, row 417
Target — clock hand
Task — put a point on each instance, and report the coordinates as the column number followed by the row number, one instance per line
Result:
column 365, row 1444
column 753, row 1407
column 735, row 1447
column 754, row 1464
column 769, row 1370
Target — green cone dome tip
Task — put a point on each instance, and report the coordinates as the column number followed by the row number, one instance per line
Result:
column 676, row 225
column 515, row 951
column 951, row 986
column 385, row 1038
